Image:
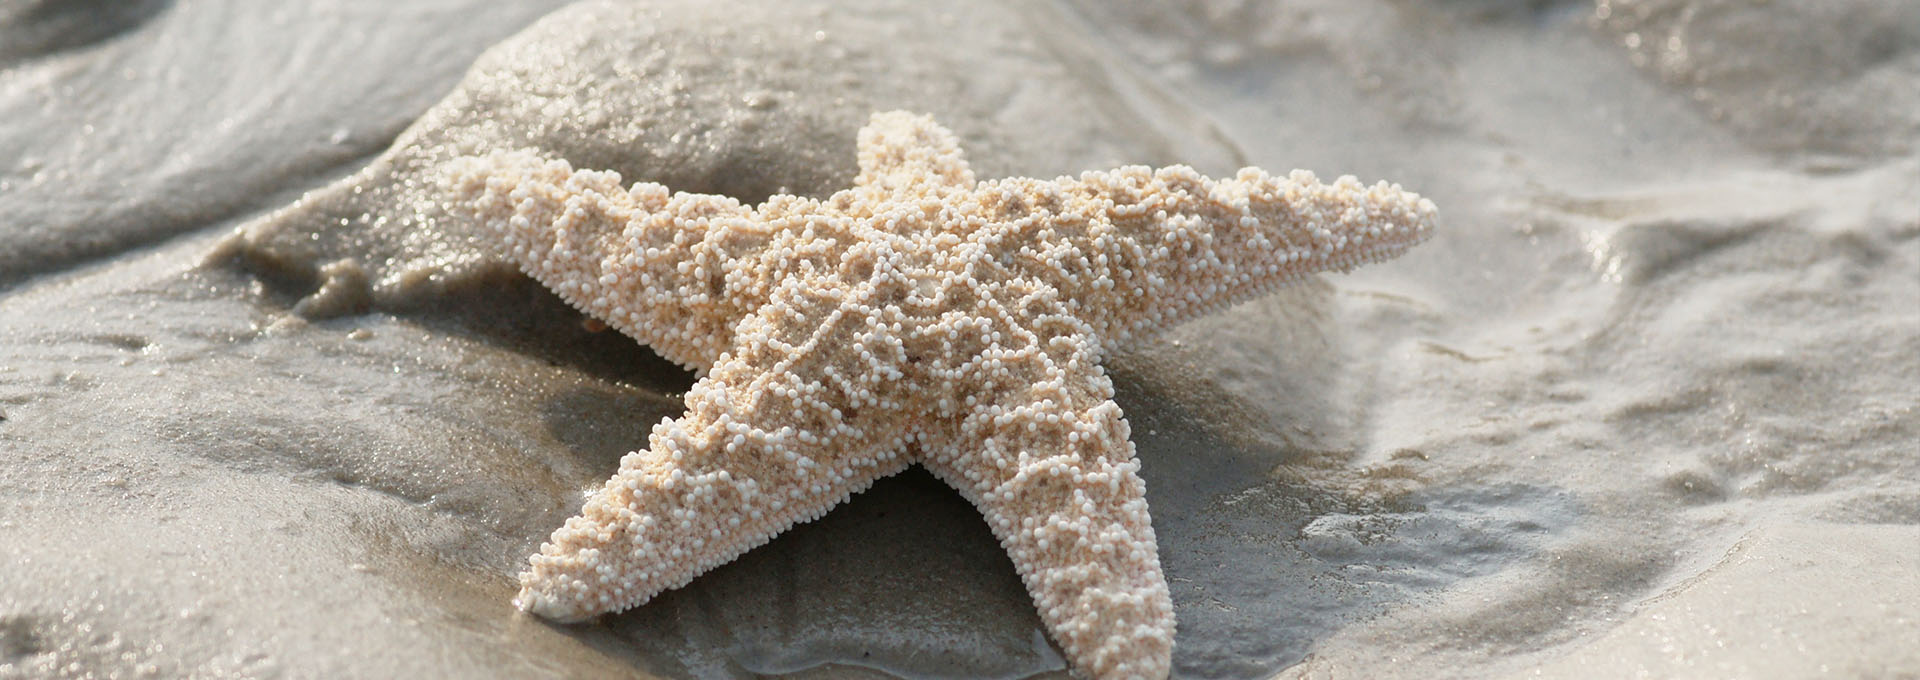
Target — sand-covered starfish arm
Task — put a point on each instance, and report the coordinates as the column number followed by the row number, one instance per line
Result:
column 764, row 445
column 671, row 270
column 1139, row 249
column 1052, row 469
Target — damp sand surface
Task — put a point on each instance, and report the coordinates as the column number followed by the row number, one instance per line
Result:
column 1647, row 404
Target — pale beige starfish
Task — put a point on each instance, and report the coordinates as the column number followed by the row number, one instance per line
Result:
column 919, row 317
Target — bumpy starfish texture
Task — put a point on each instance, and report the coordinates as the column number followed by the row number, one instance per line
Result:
column 918, row 317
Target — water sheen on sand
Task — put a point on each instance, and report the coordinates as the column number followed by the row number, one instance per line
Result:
column 1646, row 403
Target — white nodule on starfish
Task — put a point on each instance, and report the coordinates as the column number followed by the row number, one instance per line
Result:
column 918, row 317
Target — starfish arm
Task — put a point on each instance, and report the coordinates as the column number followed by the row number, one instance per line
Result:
column 1140, row 249
column 904, row 154
column 776, row 434
column 665, row 269
column 1051, row 468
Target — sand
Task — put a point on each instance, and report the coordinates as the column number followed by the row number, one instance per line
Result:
column 1649, row 403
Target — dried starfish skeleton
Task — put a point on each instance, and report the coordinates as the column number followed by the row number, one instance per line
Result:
column 918, row 317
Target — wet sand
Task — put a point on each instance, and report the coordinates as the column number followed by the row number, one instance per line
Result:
column 1648, row 403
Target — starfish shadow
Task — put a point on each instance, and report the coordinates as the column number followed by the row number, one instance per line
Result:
column 1256, row 522
column 514, row 312
column 903, row 580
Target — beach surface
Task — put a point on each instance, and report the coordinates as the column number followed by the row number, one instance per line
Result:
column 1648, row 404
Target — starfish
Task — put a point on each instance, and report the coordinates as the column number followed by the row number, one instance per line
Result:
column 920, row 316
